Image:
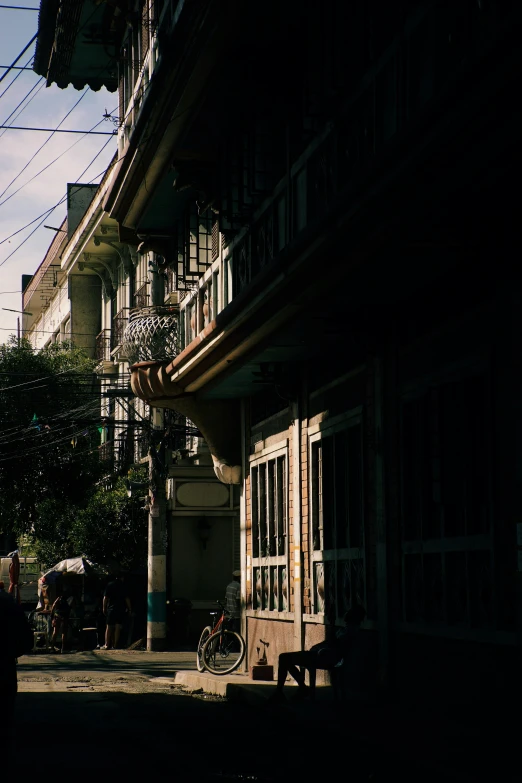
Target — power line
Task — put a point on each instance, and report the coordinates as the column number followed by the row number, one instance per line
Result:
column 49, row 211
column 15, row 78
column 41, row 170
column 40, row 84
column 35, row 36
column 80, row 99
column 19, row 8
column 55, row 130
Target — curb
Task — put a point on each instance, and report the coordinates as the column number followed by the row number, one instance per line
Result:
column 236, row 688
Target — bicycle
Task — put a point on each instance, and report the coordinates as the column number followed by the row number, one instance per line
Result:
column 220, row 650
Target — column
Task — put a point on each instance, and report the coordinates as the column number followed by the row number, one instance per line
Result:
column 157, row 549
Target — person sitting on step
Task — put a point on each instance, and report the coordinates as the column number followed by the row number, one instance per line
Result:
column 328, row 655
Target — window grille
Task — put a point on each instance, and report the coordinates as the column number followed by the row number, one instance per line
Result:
column 337, row 518
column 446, row 475
column 269, row 514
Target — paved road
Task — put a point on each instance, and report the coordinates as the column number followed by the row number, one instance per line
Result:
column 90, row 714
column 94, row 712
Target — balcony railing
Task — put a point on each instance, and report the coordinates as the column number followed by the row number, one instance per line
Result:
column 141, row 297
column 386, row 103
column 102, row 349
column 119, row 322
column 140, row 64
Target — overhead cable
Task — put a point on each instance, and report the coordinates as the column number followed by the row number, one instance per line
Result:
column 49, row 211
column 41, row 170
column 26, row 47
column 40, row 148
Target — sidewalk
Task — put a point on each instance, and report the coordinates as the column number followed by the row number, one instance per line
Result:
column 443, row 742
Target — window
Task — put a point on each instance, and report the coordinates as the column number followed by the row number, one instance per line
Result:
column 337, row 518
column 447, row 567
column 269, row 515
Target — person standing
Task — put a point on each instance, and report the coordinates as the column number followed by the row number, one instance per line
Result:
column 60, row 614
column 16, row 639
column 233, row 601
column 115, row 603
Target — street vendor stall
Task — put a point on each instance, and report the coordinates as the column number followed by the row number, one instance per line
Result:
column 81, row 582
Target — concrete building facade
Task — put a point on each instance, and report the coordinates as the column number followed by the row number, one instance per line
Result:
column 325, row 190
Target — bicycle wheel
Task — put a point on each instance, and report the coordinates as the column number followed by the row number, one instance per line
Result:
column 205, row 633
column 223, row 652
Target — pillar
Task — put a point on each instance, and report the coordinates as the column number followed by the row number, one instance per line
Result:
column 157, row 548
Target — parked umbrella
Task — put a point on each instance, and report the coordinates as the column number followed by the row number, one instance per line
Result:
column 14, row 576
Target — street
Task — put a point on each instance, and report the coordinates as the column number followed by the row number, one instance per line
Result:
column 119, row 711
column 99, row 712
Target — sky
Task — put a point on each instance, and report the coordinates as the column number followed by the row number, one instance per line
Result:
column 46, row 109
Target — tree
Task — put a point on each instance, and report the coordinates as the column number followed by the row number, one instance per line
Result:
column 111, row 526
column 49, row 407
column 50, row 471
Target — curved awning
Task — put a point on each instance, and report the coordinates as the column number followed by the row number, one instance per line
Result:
column 219, row 421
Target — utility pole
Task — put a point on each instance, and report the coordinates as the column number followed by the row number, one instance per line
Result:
column 157, row 538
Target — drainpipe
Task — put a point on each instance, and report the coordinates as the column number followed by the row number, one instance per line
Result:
column 157, row 538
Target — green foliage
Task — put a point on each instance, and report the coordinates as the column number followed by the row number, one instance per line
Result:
column 50, row 472
column 46, row 451
column 111, row 526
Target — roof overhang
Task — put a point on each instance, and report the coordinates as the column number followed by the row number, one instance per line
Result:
column 77, row 44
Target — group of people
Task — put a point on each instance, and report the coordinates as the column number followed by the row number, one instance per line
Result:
column 113, row 607
column 16, row 634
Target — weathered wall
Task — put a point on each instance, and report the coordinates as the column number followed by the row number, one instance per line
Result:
column 197, row 573
column 85, row 297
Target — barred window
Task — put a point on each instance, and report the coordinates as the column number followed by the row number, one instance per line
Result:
column 269, row 514
column 337, row 518
column 446, row 477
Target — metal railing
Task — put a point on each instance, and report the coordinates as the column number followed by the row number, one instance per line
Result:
column 102, row 348
column 373, row 116
column 141, row 297
column 119, row 322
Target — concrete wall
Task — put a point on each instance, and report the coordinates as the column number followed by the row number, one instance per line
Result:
column 85, row 296
column 200, row 573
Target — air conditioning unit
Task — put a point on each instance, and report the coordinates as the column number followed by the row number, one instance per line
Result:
column 172, row 298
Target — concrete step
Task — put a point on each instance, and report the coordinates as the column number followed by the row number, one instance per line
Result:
column 236, row 687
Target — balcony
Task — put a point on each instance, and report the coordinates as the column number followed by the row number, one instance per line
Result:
column 141, row 55
column 151, row 334
column 391, row 112
column 141, row 297
column 119, row 322
column 102, row 349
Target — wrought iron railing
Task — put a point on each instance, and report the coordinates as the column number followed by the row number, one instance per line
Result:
column 119, row 322
column 141, row 297
column 102, row 349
